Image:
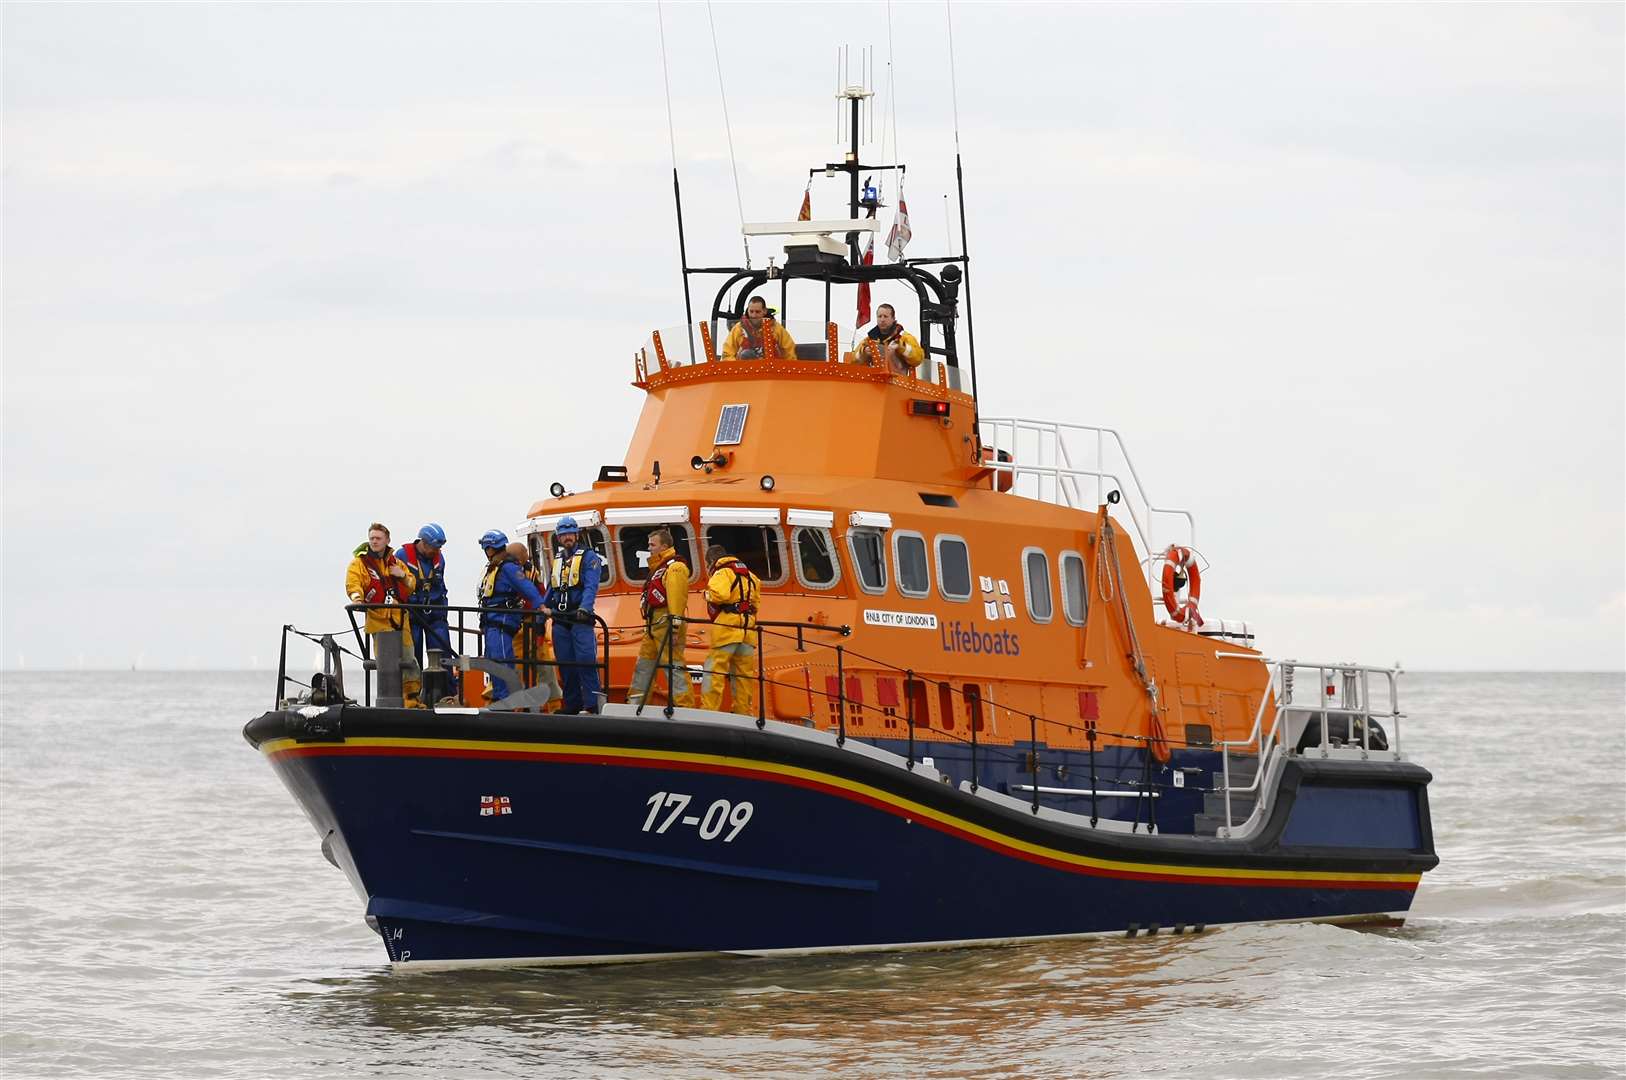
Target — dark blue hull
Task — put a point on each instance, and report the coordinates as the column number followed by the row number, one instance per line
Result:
column 490, row 837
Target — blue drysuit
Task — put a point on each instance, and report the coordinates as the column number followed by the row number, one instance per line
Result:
column 505, row 592
column 572, row 591
column 429, row 628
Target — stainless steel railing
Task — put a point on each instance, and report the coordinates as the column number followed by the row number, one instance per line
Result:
column 1350, row 684
column 1052, row 462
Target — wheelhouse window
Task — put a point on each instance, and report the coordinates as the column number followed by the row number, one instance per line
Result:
column 630, row 540
column 1036, row 582
column 760, row 547
column 914, row 568
column 594, row 538
column 816, row 564
column 868, row 550
column 953, row 568
column 1075, row 596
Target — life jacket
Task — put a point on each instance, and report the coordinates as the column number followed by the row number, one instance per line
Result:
column 382, row 587
column 488, row 589
column 567, row 575
column 535, row 577
column 768, row 347
column 654, row 598
column 745, row 587
column 428, row 576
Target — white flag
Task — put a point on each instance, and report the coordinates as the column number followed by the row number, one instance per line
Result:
column 900, row 234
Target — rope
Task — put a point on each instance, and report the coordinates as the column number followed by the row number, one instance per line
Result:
column 739, row 200
column 666, row 77
column 316, row 639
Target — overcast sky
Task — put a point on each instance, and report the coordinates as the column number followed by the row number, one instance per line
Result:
column 1348, row 278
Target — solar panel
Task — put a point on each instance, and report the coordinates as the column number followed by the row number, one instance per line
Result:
column 731, row 425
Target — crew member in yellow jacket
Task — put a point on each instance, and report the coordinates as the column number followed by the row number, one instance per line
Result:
column 898, row 347
column 758, row 337
column 376, row 576
column 666, row 596
column 732, row 595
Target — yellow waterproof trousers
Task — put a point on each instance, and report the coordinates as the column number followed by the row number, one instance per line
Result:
column 652, row 660
column 737, row 666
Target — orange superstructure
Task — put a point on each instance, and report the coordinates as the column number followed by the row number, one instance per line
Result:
column 866, row 499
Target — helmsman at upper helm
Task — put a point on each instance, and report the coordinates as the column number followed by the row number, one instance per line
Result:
column 505, row 593
column 428, row 565
column 376, row 576
column 572, row 592
column 898, row 347
column 757, row 336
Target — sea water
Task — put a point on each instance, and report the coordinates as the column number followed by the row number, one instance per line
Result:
column 165, row 912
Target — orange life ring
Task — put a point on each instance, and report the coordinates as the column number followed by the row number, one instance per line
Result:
column 1175, row 560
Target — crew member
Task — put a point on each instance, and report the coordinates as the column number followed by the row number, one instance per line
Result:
column 732, row 594
column 504, row 593
column 531, row 640
column 376, row 576
column 577, row 570
column 428, row 565
column 898, row 347
column 751, row 335
column 666, row 595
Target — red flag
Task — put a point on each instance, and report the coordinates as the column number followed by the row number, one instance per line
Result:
column 863, row 286
column 806, row 212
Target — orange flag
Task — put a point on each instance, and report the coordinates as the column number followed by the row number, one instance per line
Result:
column 806, row 212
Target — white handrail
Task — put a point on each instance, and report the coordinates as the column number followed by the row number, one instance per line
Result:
column 1279, row 687
column 1064, row 476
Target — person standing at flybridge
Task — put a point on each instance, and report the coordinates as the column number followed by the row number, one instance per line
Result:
column 901, row 348
column 757, row 336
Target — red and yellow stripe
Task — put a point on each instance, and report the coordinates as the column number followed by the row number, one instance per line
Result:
column 853, row 791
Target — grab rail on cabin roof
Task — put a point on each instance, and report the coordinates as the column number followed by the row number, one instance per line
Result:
column 1042, row 452
column 1351, row 683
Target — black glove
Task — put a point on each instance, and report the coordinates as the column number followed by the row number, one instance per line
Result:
column 584, row 616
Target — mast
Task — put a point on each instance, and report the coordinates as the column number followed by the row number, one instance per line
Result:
column 855, row 95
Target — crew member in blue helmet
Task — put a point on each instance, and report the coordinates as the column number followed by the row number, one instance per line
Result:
column 505, row 592
column 429, row 629
column 572, row 591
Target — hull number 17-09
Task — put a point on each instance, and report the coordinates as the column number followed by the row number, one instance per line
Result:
column 719, row 815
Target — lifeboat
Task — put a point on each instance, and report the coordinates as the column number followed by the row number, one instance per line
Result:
column 986, row 706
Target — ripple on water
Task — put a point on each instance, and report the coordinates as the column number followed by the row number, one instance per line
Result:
column 182, row 923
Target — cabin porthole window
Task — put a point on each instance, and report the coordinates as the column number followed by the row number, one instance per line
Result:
column 1036, row 583
column 867, row 548
column 953, row 568
column 816, row 564
column 1075, row 593
column 913, row 565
